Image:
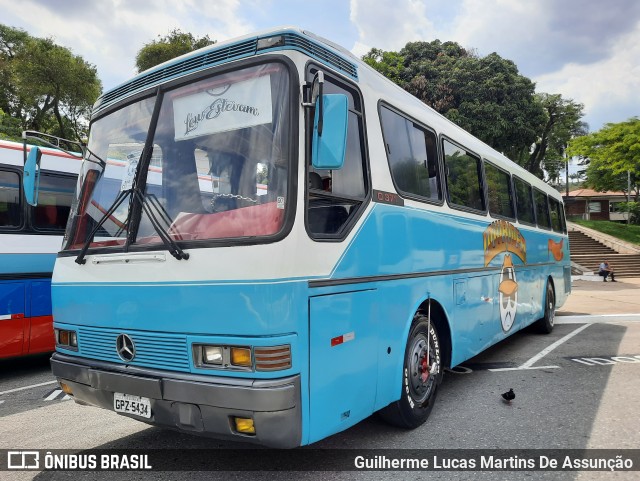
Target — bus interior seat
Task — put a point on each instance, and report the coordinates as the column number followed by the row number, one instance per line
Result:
column 327, row 219
column 47, row 216
column 315, row 181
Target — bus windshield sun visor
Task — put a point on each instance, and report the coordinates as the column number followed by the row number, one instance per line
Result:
column 149, row 204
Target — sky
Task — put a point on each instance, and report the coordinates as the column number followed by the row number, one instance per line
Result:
column 585, row 50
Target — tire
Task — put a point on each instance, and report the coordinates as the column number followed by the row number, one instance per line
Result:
column 545, row 325
column 419, row 385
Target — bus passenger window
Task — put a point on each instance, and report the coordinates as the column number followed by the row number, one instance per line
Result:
column 542, row 208
column 412, row 155
column 10, row 205
column 524, row 202
column 499, row 191
column 556, row 214
column 464, row 184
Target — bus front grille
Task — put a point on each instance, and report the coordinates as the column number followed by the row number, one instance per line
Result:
column 151, row 349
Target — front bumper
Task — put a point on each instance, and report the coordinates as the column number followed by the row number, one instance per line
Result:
column 192, row 403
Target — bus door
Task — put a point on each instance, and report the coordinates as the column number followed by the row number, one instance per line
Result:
column 475, row 302
column 343, row 346
column 12, row 318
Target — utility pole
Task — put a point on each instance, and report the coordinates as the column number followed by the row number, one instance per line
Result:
column 566, row 178
column 628, row 194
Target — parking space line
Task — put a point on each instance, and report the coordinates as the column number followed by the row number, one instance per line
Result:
column 597, row 318
column 27, row 387
column 529, row 364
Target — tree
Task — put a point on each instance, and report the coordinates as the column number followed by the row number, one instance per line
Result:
column 11, row 40
column 45, row 87
column 612, row 153
column 484, row 95
column 561, row 125
column 9, row 127
column 172, row 45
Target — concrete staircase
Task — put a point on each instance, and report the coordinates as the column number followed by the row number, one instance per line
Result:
column 589, row 253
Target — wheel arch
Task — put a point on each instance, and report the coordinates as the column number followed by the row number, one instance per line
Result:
column 441, row 321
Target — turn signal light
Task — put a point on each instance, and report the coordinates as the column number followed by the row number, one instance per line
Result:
column 66, row 339
column 241, row 356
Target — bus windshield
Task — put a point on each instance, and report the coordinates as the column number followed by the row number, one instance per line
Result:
column 218, row 169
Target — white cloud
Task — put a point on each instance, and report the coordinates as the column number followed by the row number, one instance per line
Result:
column 389, row 24
column 608, row 88
column 109, row 33
column 585, row 50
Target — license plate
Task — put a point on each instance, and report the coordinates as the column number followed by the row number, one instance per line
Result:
column 126, row 403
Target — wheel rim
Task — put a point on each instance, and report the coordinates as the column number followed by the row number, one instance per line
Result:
column 551, row 306
column 420, row 364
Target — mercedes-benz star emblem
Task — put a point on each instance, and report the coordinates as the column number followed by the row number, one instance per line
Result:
column 125, row 348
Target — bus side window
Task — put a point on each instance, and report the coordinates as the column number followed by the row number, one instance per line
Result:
column 556, row 215
column 335, row 196
column 56, row 193
column 524, row 202
column 412, row 154
column 464, row 178
column 499, row 191
column 542, row 209
column 10, row 200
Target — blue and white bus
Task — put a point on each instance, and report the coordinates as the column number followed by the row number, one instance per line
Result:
column 292, row 244
column 30, row 238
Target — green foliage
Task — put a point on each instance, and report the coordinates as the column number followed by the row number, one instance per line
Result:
column 484, row 95
column 563, row 123
column 634, row 211
column 611, row 152
column 44, row 86
column 9, row 127
column 390, row 64
column 172, row 45
column 627, row 233
column 488, row 97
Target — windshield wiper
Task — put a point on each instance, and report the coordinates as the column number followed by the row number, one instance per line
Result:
column 147, row 202
column 150, row 201
column 116, row 203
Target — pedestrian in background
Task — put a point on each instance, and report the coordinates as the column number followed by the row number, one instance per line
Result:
column 606, row 270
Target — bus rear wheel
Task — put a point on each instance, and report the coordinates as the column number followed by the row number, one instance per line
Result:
column 422, row 372
column 545, row 325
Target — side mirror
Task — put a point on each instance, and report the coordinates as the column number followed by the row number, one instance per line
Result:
column 31, row 177
column 330, row 132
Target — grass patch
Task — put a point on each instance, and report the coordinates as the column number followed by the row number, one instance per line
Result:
column 627, row 233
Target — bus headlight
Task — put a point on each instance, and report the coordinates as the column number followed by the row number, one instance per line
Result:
column 66, row 339
column 212, row 355
column 242, row 358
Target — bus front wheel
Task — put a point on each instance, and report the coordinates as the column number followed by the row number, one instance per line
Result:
column 545, row 325
column 422, row 372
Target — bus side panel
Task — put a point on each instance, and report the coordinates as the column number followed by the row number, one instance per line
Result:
column 12, row 318
column 41, row 337
column 343, row 338
column 402, row 299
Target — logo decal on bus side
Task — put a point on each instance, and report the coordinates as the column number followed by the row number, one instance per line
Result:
column 498, row 238
column 555, row 248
